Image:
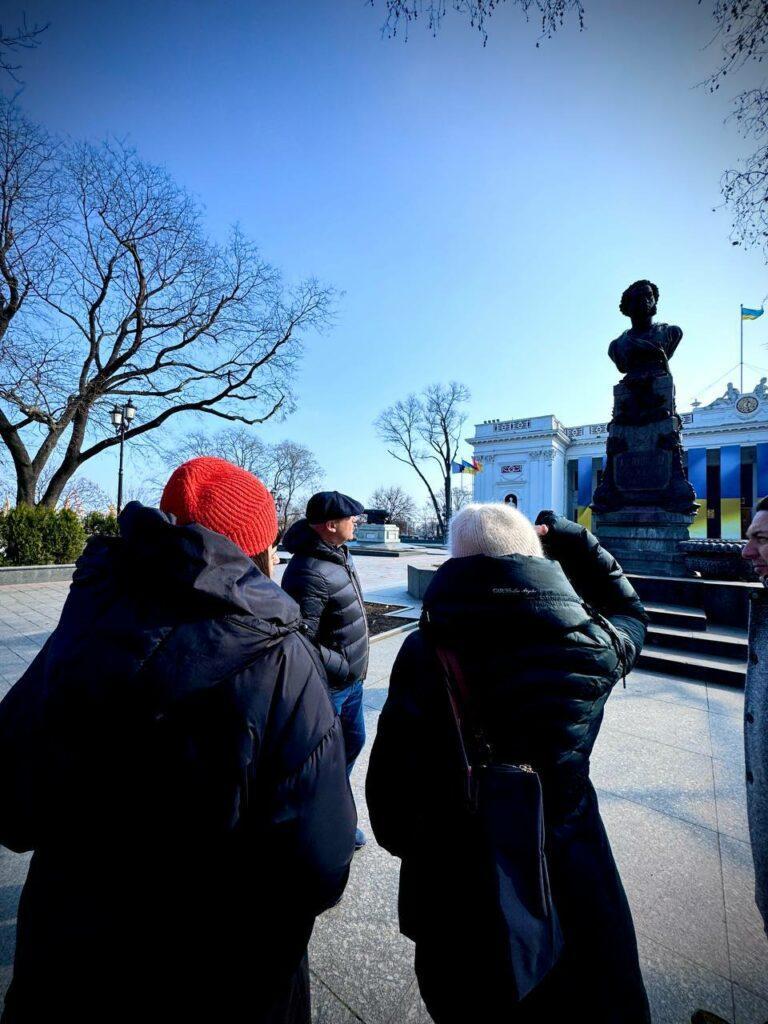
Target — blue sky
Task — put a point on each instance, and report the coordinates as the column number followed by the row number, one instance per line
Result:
column 481, row 208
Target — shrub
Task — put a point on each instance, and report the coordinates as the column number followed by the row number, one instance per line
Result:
column 101, row 524
column 63, row 536
column 39, row 536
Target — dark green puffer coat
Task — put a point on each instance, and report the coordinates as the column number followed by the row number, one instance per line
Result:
column 540, row 664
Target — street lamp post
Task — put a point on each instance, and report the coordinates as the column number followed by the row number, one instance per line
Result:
column 122, row 416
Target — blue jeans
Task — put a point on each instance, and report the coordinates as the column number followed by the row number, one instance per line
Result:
column 348, row 703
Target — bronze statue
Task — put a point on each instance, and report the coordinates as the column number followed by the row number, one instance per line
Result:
column 644, row 467
column 646, row 347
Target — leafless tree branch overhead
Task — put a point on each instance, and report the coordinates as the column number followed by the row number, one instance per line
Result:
column 110, row 288
column 24, row 37
column 551, row 14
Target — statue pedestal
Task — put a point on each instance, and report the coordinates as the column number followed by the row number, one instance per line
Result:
column 377, row 533
column 645, row 540
column 644, row 504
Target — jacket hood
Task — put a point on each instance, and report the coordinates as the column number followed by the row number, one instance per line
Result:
column 301, row 539
column 189, row 561
column 468, row 597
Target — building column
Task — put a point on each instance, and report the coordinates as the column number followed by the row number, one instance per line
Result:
column 697, row 477
column 584, row 477
column 730, row 492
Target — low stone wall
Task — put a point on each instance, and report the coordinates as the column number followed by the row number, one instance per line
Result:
column 13, row 575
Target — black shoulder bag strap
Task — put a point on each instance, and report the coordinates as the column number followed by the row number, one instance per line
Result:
column 476, row 749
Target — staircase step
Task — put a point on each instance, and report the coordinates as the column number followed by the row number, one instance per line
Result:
column 676, row 615
column 710, row 668
column 727, row 643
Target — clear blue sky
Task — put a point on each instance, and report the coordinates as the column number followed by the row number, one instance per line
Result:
column 482, row 208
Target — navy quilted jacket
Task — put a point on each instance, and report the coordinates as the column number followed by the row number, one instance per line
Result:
column 323, row 581
column 173, row 759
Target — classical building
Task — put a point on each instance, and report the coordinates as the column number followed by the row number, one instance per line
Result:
column 540, row 463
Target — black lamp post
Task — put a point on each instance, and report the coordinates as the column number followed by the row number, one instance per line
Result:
column 122, row 416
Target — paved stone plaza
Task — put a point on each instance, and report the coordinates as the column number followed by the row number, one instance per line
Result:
column 669, row 771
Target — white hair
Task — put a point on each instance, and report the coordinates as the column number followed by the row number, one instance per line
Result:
column 493, row 529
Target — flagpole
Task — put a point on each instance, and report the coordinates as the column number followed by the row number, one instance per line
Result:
column 741, row 351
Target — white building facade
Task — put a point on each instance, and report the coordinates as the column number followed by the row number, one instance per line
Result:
column 539, row 463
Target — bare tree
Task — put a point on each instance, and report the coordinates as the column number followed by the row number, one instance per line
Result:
column 425, row 429
column 742, row 28
column 293, row 474
column 401, row 14
column 132, row 300
column 289, row 469
column 397, row 503
column 238, row 445
column 25, row 37
column 460, row 496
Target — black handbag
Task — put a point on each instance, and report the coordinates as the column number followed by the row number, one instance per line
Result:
column 506, row 808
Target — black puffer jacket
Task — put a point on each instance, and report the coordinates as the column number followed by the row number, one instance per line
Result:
column 323, row 581
column 173, row 759
column 540, row 665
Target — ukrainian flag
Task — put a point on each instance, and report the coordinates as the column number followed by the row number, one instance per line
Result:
column 751, row 314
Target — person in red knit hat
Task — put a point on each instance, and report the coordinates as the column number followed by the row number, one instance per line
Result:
column 174, row 761
column 226, row 499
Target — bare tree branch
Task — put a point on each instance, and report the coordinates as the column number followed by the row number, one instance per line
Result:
column 124, row 295
column 425, row 428
column 401, row 14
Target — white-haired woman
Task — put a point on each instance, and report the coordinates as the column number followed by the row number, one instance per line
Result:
column 530, row 641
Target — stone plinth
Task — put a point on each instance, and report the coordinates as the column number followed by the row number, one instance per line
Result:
column 645, row 540
column 377, row 533
column 644, row 453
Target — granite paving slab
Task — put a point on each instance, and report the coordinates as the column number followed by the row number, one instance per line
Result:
column 731, row 799
column 671, row 872
column 746, row 935
column 749, row 1008
column 674, row 724
column 676, row 986
column 666, row 778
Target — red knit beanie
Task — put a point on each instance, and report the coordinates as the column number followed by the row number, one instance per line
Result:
column 224, row 498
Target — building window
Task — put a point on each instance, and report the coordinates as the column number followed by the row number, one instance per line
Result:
column 510, row 499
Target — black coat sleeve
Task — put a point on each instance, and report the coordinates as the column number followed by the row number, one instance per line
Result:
column 312, row 814
column 598, row 578
column 309, row 589
column 414, row 783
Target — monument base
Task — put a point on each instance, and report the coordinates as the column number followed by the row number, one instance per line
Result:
column 645, row 540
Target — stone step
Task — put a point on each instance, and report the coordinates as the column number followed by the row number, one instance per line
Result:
column 728, row 643
column 710, row 668
column 676, row 615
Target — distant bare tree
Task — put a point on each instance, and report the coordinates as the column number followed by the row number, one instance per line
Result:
column 398, row 504
column 401, row 14
column 293, row 474
column 25, row 37
column 460, row 496
column 425, row 429
column 289, row 469
column 131, row 300
column 238, row 445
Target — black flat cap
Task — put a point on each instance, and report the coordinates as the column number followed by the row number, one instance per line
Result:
column 331, row 505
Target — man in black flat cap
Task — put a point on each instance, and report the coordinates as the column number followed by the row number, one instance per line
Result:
column 322, row 579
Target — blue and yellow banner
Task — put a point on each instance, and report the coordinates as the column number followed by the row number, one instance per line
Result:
column 584, row 491
column 751, row 314
column 730, row 491
column 697, row 477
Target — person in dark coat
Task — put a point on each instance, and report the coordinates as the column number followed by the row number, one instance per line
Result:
column 322, row 579
column 173, row 760
column 541, row 642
